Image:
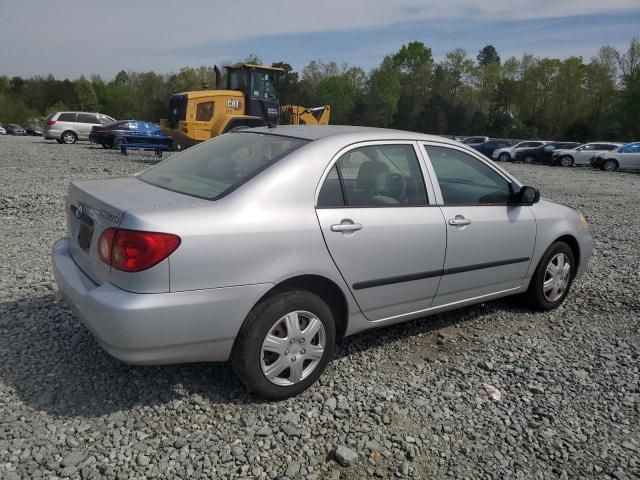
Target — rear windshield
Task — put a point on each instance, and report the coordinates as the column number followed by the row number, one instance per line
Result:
column 215, row 168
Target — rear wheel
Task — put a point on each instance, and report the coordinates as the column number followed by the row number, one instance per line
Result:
column 552, row 279
column 530, row 159
column 504, row 157
column 69, row 137
column 610, row 165
column 285, row 344
column 566, row 161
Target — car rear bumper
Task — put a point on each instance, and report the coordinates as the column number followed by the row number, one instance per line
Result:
column 159, row 328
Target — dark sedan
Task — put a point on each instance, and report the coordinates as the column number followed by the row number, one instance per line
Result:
column 33, row 130
column 543, row 153
column 13, row 129
column 487, row 148
column 107, row 135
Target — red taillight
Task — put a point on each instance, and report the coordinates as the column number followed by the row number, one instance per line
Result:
column 134, row 251
column 51, row 122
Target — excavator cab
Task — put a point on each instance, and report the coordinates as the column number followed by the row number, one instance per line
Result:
column 260, row 87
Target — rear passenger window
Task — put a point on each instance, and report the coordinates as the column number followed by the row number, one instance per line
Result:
column 373, row 176
column 331, row 191
column 67, row 117
column 87, row 118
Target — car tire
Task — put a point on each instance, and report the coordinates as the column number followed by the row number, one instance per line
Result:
column 504, row 157
column 610, row 165
column 68, row 137
column 566, row 161
column 552, row 280
column 268, row 344
column 529, row 159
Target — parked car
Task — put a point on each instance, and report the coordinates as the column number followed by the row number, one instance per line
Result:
column 542, row 154
column 69, row 127
column 13, row 129
column 33, row 130
column 487, row 148
column 508, row 154
column 2, row 130
column 267, row 245
column 626, row 157
column 106, row 135
column 472, row 141
column 582, row 154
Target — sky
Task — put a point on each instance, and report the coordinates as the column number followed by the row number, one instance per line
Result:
column 69, row 38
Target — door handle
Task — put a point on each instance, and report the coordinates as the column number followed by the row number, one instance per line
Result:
column 346, row 227
column 459, row 221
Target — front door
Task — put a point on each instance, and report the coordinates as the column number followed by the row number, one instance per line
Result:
column 382, row 228
column 490, row 240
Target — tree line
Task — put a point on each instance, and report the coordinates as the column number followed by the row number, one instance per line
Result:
column 527, row 97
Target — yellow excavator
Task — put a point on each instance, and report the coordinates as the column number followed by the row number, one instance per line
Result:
column 249, row 100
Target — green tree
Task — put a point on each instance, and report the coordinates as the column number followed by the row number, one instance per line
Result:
column 341, row 94
column 85, row 94
column 381, row 100
column 288, row 86
column 488, row 55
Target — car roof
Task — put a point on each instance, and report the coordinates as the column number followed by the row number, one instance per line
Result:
column 317, row 132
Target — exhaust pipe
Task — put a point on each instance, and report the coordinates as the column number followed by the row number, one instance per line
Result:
column 218, row 76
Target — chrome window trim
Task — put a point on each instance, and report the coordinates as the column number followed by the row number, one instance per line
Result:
column 431, row 194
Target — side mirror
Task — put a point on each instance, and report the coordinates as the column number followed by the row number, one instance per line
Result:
column 528, row 195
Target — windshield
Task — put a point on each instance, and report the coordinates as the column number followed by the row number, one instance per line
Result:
column 215, row 168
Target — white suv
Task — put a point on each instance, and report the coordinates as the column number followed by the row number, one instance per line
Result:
column 508, row 154
column 69, row 127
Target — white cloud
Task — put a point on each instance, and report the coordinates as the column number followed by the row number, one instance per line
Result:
column 80, row 35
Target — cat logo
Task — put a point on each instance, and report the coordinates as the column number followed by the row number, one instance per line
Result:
column 234, row 103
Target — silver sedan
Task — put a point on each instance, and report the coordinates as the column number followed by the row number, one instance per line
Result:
column 266, row 246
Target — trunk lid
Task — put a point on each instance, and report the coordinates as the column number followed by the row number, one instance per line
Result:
column 95, row 205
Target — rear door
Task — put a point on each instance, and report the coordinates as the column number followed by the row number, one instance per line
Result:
column 86, row 121
column 489, row 239
column 631, row 157
column 383, row 228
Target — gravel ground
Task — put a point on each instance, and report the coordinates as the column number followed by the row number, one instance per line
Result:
column 414, row 400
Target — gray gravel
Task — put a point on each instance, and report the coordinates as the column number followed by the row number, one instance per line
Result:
column 416, row 400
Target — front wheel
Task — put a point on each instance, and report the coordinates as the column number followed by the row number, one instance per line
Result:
column 530, row 159
column 610, row 166
column 552, row 279
column 285, row 344
column 566, row 161
column 504, row 157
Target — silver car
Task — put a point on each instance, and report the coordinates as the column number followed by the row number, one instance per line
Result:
column 268, row 245
column 69, row 127
column 626, row 157
column 583, row 154
column 508, row 154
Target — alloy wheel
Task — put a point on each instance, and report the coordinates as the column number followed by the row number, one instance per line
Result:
column 68, row 138
column 557, row 277
column 566, row 161
column 293, row 348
